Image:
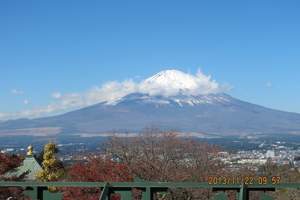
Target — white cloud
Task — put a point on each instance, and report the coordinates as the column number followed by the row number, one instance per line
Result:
column 56, row 95
column 16, row 92
column 165, row 83
column 111, row 92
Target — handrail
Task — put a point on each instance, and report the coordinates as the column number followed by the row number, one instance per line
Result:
column 38, row 190
column 143, row 184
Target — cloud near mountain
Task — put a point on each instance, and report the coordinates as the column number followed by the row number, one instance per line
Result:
column 165, row 83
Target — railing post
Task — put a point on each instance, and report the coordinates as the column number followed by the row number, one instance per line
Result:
column 32, row 192
column 47, row 195
column 105, row 192
column 41, row 193
column 243, row 193
column 146, row 195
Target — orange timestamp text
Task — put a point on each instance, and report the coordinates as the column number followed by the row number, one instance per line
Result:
column 247, row 180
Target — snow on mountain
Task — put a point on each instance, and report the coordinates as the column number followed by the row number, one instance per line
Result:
column 174, row 82
column 174, row 86
column 180, row 99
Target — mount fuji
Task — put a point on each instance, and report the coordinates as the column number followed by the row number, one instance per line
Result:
column 170, row 100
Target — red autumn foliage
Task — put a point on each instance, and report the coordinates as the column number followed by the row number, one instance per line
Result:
column 95, row 170
column 7, row 163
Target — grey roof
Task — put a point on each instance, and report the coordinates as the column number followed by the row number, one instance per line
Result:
column 30, row 166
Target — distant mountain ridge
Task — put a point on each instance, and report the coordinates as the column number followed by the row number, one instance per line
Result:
column 211, row 113
column 214, row 114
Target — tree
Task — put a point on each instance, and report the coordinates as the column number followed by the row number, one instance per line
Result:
column 7, row 163
column 96, row 169
column 163, row 156
column 53, row 169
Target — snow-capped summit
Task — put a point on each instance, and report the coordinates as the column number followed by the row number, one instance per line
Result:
column 174, row 82
column 174, row 78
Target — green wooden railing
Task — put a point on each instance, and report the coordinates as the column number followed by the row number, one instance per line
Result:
column 39, row 191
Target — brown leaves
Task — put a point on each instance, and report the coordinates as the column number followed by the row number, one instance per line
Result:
column 158, row 156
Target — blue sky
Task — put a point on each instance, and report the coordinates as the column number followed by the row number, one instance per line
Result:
column 72, row 46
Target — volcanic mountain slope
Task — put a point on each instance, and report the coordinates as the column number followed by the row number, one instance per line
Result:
column 174, row 100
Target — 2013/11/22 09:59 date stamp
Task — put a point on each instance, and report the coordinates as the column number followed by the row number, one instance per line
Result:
column 247, row 180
